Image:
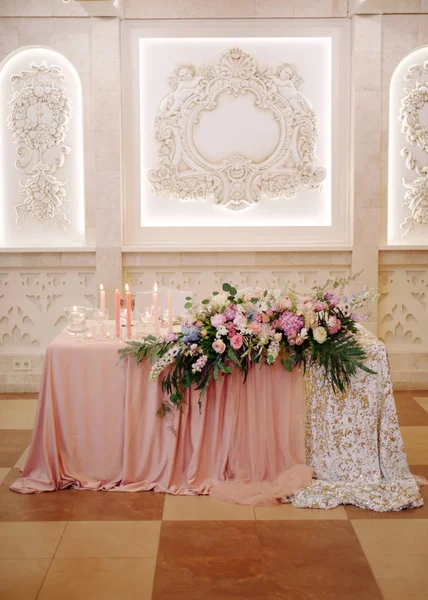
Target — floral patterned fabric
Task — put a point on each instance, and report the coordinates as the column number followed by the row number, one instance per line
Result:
column 353, row 441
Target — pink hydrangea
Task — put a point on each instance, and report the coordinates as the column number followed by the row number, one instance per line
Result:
column 218, row 320
column 240, row 321
column 229, row 313
column 291, row 323
column 331, row 298
column 236, row 341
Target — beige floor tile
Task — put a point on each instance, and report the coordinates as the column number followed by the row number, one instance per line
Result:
column 416, row 444
column 401, row 577
column 30, row 539
column 17, row 414
column 393, row 537
column 22, row 579
column 204, row 508
column 422, row 402
column 3, row 473
column 288, row 512
column 397, row 551
column 99, row 579
column 111, row 539
column 22, row 459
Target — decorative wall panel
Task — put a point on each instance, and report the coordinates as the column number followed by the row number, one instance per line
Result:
column 403, row 307
column 235, row 181
column 31, row 303
column 203, row 281
column 408, row 152
column 41, row 158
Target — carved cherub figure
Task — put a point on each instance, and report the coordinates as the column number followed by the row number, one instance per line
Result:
column 186, row 85
column 286, row 84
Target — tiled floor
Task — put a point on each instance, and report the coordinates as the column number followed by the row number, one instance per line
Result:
column 94, row 545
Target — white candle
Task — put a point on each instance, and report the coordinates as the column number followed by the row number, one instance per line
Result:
column 170, row 310
column 128, row 312
column 102, row 297
column 156, row 308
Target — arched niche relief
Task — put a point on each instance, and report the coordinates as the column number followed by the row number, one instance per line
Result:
column 42, row 201
column 408, row 151
column 237, row 173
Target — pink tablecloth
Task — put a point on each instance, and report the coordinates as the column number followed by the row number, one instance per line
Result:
column 96, row 428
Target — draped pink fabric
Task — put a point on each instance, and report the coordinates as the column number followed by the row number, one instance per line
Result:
column 96, row 428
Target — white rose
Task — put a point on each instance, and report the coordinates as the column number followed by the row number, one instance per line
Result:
column 320, row 334
column 304, row 333
column 219, row 300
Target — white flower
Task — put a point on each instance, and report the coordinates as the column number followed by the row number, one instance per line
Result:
column 320, row 334
column 218, row 301
column 303, row 333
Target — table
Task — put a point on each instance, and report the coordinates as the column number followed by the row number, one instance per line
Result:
column 96, row 428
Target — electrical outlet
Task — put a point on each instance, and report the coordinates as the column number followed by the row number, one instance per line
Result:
column 22, row 364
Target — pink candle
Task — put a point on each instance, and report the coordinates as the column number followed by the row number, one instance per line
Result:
column 128, row 312
column 117, row 314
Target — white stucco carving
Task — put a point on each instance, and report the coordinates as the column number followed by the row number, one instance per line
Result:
column 39, row 114
column 236, row 181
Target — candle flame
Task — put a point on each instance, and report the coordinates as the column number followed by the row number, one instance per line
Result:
column 155, row 287
column 126, row 287
column 74, row 307
column 101, row 286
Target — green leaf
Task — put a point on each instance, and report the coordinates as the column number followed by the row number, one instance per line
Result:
column 286, row 363
column 215, row 293
column 188, row 297
column 205, row 301
column 232, row 355
column 233, row 291
column 226, row 287
column 188, row 305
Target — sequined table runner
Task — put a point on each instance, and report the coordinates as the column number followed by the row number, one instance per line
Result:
column 353, row 441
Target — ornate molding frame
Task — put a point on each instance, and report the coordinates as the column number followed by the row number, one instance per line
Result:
column 416, row 196
column 39, row 114
column 236, row 182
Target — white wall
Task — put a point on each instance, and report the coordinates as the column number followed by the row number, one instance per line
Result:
column 35, row 285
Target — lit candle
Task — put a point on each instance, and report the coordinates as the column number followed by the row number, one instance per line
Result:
column 170, row 310
column 102, row 298
column 128, row 312
column 156, row 308
column 117, row 314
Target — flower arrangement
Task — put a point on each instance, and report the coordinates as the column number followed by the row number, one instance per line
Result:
column 237, row 330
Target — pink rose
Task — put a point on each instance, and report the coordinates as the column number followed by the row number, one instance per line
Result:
column 219, row 346
column 299, row 341
column 266, row 318
column 229, row 325
column 258, row 318
column 218, row 320
column 231, row 333
column 276, row 324
column 269, row 312
column 255, row 327
column 237, row 341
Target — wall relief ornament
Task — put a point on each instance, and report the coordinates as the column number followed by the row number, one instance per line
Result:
column 416, row 196
column 237, row 181
column 39, row 114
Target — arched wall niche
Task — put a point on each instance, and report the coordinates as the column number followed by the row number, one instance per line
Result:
column 42, row 199
column 408, row 151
